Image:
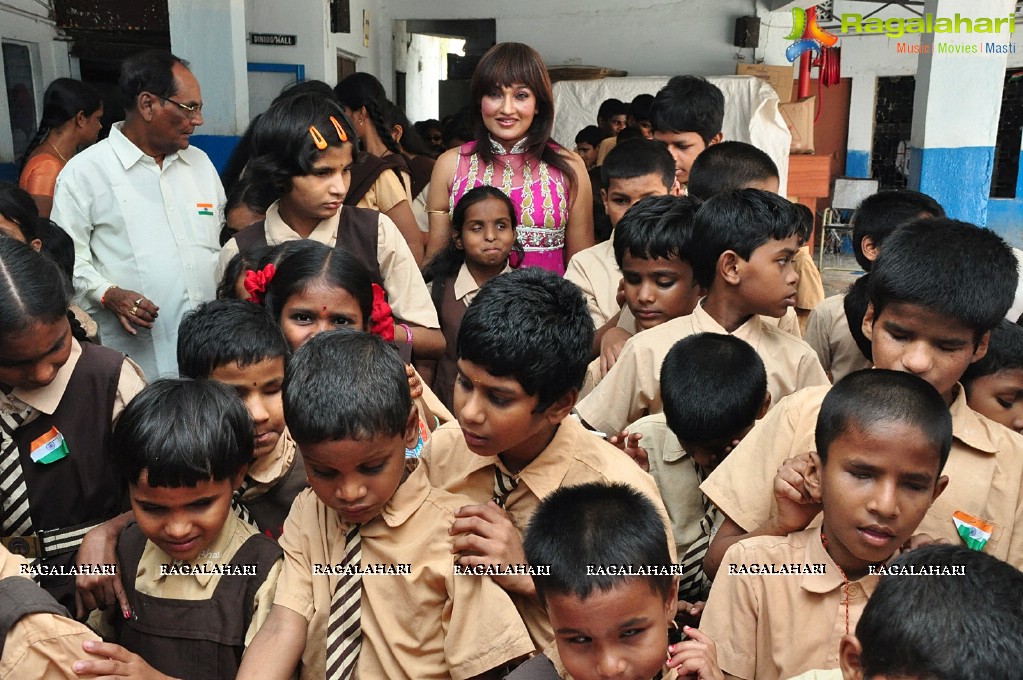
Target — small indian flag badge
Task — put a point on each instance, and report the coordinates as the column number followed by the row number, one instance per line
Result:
column 974, row 531
column 204, row 208
column 49, row 448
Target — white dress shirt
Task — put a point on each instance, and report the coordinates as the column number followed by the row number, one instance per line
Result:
column 144, row 228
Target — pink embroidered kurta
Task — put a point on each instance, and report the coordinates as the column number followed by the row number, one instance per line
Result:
column 539, row 192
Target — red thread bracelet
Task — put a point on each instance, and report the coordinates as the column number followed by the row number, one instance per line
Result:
column 103, row 297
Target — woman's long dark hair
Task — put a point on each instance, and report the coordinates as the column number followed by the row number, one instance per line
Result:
column 362, row 89
column 63, row 99
column 507, row 64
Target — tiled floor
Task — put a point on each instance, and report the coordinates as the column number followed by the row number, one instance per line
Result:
column 838, row 272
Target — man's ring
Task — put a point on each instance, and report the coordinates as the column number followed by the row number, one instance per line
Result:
column 139, row 302
column 134, row 310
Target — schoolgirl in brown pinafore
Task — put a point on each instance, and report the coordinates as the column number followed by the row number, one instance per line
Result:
column 58, row 399
column 483, row 246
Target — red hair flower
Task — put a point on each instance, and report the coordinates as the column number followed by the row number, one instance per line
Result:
column 256, row 282
column 381, row 321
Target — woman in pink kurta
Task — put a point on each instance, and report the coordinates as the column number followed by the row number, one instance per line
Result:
column 513, row 151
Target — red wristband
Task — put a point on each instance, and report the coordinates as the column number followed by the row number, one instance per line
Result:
column 103, row 297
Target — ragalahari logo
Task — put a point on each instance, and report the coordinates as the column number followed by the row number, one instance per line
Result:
column 818, row 38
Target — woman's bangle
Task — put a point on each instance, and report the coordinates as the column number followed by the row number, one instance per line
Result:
column 436, row 212
column 103, row 297
column 408, row 333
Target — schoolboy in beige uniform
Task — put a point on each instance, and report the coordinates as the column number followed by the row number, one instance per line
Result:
column 923, row 328
column 715, row 388
column 574, row 456
column 239, row 344
column 407, row 293
column 637, row 169
column 631, row 389
column 781, row 604
column 827, row 331
column 876, row 217
column 519, row 375
column 652, row 249
column 744, row 259
column 420, row 620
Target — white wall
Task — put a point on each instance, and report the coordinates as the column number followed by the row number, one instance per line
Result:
column 215, row 49
column 864, row 59
column 424, row 60
column 649, row 37
column 22, row 21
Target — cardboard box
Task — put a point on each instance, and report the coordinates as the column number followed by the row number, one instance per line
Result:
column 799, row 119
column 779, row 77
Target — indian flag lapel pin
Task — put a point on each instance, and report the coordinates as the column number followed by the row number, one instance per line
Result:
column 49, row 448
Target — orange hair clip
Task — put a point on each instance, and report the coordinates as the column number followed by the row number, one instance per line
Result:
column 340, row 130
column 318, row 139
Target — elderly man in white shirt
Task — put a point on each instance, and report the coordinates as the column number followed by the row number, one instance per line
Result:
column 143, row 210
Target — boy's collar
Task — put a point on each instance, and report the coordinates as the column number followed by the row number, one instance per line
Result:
column 831, row 578
column 408, row 497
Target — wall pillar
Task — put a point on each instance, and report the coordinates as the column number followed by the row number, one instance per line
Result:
column 956, row 107
column 210, row 35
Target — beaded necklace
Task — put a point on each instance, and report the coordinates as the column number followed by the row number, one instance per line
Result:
column 845, row 582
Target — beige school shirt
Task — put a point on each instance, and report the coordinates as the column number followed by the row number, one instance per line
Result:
column 431, row 624
column 984, row 469
column 574, row 456
column 827, row 331
column 774, row 626
column 406, row 291
column 675, row 474
column 265, row 472
column 596, row 273
column 632, row 388
column 149, row 580
column 41, row 645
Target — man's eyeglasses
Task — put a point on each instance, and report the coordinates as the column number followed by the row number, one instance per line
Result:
column 192, row 112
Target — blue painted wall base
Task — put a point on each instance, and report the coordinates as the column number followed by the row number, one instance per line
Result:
column 857, row 163
column 959, row 179
column 217, row 147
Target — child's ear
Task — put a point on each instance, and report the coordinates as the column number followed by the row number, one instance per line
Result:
column 939, row 486
column 870, row 251
column 982, row 346
column 561, row 407
column 457, row 239
column 849, row 652
column 671, row 604
column 728, row 267
column 412, row 428
column 765, row 406
column 603, row 199
column 868, row 322
column 812, row 476
column 236, row 481
column 716, row 138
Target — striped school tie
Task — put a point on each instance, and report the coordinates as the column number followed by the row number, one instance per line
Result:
column 239, row 507
column 15, row 519
column 504, row 484
column 693, row 584
column 344, row 630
